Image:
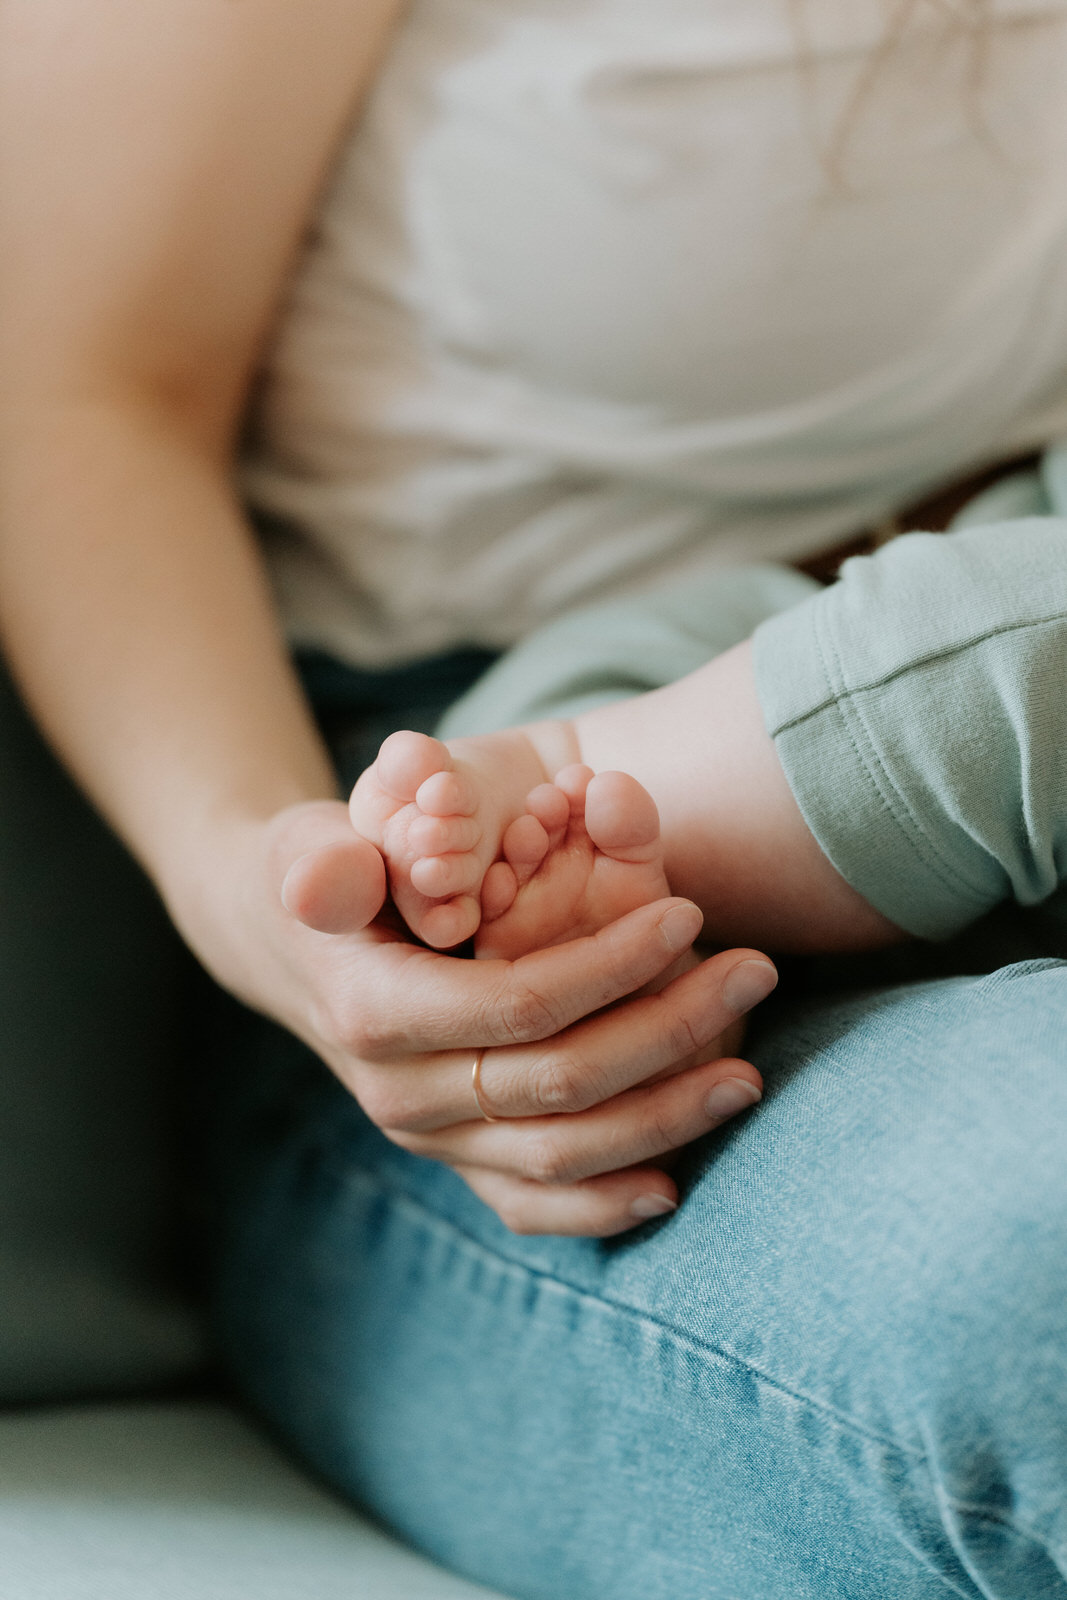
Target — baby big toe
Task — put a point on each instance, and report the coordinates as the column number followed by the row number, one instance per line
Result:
column 621, row 817
column 406, row 760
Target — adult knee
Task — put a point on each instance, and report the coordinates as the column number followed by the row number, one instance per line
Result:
column 978, row 1359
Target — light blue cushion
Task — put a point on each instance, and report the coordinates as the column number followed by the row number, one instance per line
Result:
column 183, row 1501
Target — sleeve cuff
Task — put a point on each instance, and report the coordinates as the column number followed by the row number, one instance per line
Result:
column 842, row 761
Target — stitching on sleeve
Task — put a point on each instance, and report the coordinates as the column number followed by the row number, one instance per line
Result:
column 837, row 695
column 866, row 753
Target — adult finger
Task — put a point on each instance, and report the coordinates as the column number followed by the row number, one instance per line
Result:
column 648, row 1037
column 596, row 1208
column 651, row 1036
column 633, row 1129
column 413, row 1001
column 336, row 888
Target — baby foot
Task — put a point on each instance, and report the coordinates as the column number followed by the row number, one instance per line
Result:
column 438, row 814
column 586, row 851
column 475, row 839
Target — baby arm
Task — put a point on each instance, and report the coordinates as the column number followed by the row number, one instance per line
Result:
column 735, row 840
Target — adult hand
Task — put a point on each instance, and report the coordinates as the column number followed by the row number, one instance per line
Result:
column 591, row 1082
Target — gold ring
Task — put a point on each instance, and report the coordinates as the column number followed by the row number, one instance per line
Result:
column 476, row 1085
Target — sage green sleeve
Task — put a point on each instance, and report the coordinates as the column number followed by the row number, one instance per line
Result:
column 615, row 648
column 919, row 708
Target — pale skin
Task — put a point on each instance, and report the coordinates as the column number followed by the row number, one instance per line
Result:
column 159, row 168
column 510, row 839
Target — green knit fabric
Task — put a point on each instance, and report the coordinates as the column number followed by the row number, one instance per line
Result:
column 919, row 708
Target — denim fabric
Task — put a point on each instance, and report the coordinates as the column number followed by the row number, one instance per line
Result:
column 839, row 1372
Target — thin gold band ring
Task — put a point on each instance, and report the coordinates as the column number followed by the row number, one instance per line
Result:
column 476, row 1085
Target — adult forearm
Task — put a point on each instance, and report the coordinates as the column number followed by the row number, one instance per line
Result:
column 138, row 621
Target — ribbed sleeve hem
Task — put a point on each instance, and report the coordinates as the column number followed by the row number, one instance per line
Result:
column 842, row 777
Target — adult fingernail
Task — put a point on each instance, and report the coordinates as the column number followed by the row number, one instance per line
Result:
column 680, row 926
column 747, row 984
column 651, row 1205
column 731, row 1096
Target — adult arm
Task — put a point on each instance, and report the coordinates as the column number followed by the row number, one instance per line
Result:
column 159, row 165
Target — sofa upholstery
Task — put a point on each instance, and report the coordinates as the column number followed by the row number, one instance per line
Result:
column 183, row 1500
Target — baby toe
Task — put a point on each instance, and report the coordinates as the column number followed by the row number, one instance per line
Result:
column 574, row 782
column 550, row 806
column 525, row 845
column 446, row 794
column 498, row 891
column 621, row 817
column 406, row 760
column 438, row 876
column 439, row 836
column 450, row 924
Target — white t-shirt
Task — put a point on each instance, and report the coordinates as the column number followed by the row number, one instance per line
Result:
column 607, row 289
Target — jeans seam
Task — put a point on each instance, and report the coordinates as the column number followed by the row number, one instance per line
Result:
column 436, row 1221
column 991, row 1514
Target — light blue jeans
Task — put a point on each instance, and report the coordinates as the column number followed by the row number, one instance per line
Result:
column 839, row 1371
